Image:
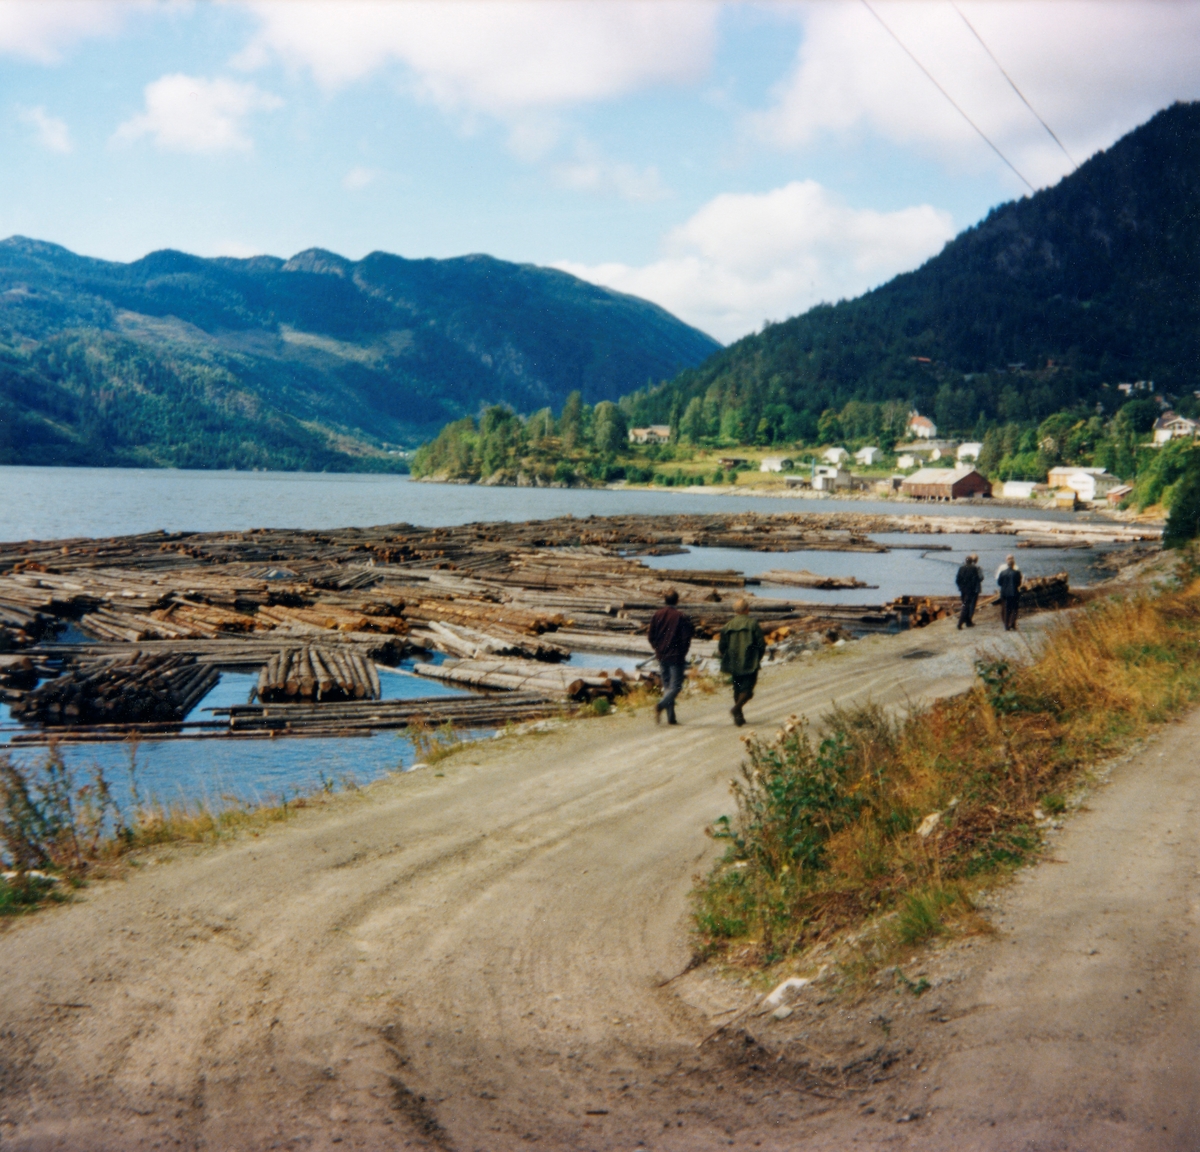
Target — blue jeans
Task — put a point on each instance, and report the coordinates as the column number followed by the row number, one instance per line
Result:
column 672, row 678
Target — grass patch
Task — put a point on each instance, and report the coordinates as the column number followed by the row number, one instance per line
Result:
column 884, row 827
column 58, row 827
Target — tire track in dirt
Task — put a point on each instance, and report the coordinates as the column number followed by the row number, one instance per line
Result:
column 472, row 961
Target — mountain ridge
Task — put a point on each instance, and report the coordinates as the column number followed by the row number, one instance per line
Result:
column 1098, row 274
column 314, row 361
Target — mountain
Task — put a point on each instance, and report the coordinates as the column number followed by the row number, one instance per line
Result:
column 314, row 362
column 1048, row 303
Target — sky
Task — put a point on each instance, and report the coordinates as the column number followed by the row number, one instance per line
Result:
column 736, row 163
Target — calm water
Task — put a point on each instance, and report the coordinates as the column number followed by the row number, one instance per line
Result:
column 50, row 503
column 45, row 503
column 896, row 573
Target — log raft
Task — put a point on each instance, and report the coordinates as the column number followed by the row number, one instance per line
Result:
column 119, row 690
column 317, row 673
column 527, row 593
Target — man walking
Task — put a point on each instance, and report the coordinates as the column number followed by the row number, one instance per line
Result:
column 970, row 583
column 1009, row 580
column 742, row 646
column 670, row 636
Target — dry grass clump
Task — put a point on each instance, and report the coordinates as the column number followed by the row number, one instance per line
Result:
column 58, row 828
column 906, row 817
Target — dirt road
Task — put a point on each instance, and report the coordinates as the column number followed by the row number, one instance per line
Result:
column 473, row 961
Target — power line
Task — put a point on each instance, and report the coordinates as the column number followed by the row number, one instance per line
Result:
column 1012, row 84
column 983, row 135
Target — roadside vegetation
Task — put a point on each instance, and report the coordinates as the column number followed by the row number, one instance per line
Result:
column 59, row 827
column 885, row 827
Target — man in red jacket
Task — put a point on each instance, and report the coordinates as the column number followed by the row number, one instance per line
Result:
column 670, row 636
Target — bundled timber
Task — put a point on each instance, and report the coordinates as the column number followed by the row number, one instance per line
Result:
column 17, row 672
column 806, row 579
column 508, row 601
column 317, row 673
column 1045, row 591
column 525, row 676
column 339, row 720
column 119, row 690
column 248, row 652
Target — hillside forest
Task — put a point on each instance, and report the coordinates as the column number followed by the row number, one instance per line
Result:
column 1018, row 335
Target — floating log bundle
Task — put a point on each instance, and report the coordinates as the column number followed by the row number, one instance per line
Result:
column 509, row 602
column 581, row 684
column 317, row 673
column 119, row 690
column 806, row 579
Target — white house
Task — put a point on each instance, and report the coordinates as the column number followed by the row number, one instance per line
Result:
column 1170, row 427
column 908, row 460
column 655, row 434
column 827, row 477
column 942, row 449
column 776, row 464
column 968, row 451
column 834, row 455
column 1019, row 489
column 867, row 456
column 1087, row 483
column 922, row 427
column 1058, row 476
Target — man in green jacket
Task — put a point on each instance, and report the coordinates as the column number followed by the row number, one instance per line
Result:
column 742, row 647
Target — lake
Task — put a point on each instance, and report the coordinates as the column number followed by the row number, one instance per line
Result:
column 50, row 503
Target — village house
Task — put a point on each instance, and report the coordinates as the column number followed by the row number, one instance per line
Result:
column 834, row 455
column 867, row 456
column 1171, row 427
column 1019, row 489
column 946, row 484
column 921, row 427
column 906, row 460
column 828, row 477
column 776, row 464
column 1119, row 494
column 968, row 451
column 1088, row 484
column 655, row 434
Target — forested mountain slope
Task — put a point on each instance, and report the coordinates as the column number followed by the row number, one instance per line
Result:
column 313, row 362
column 1099, row 275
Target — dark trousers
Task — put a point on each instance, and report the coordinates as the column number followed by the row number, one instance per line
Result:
column 743, row 690
column 1008, row 610
column 672, row 678
column 967, row 615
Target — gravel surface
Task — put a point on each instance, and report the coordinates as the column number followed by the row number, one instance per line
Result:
column 478, row 960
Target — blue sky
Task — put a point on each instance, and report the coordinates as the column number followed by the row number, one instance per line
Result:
column 732, row 162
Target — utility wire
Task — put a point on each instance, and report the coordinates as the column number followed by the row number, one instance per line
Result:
column 983, row 135
column 1012, row 84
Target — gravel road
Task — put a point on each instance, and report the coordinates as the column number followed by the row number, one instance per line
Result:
column 476, row 961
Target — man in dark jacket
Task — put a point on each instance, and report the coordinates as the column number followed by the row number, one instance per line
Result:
column 1009, row 580
column 742, row 646
column 670, row 637
column 970, row 582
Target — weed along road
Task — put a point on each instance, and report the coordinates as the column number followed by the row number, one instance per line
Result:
column 493, row 953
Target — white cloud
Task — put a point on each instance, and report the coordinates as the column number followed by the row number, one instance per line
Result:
column 43, row 30
column 743, row 257
column 591, row 172
column 191, row 114
column 493, row 56
column 1093, row 70
column 53, row 133
column 358, row 178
